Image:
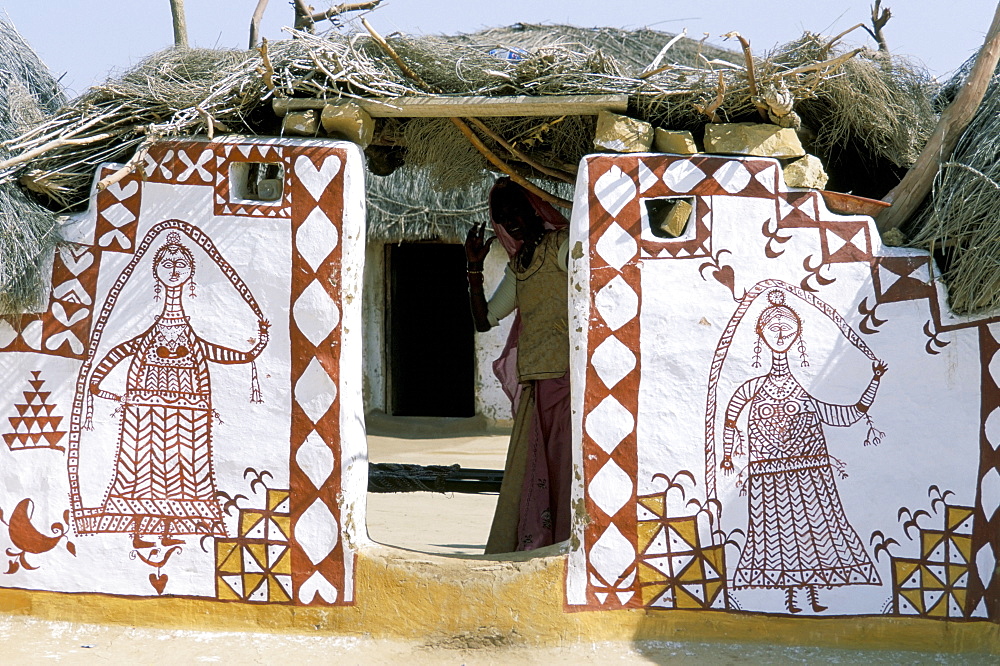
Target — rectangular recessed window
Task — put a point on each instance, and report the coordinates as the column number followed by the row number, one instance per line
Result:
column 261, row 182
column 668, row 217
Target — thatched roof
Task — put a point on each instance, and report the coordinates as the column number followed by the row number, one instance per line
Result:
column 866, row 114
column 27, row 230
column 870, row 108
column 959, row 222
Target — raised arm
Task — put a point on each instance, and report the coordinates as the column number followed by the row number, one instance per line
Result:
column 226, row 356
column 476, row 250
column 108, row 363
column 845, row 415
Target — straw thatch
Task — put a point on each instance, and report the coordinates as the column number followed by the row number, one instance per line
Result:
column 867, row 112
column 27, row 230
column 960, row 223
column 179, row 92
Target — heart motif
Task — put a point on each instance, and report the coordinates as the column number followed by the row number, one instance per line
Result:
column 615, row 189
column 59, row 312
column 316, row 180
column 71, row 291
column 115, row 236
column 56, row 340
column 76, row 260
column 727, row 277
column 315, row 586
column 158, row 581
column 122, row 192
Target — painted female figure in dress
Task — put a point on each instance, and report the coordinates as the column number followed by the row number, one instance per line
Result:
column 798, row 536
column 164, row 481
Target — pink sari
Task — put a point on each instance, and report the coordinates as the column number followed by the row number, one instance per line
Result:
column 533, row 509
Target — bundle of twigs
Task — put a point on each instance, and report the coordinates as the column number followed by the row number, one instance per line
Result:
column 189, row 91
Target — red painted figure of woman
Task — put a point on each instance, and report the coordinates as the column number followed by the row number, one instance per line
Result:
column 164, row 480
column 798, row 536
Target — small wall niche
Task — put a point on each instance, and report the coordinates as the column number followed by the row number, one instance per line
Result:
column 259, row 182
column 669, row 216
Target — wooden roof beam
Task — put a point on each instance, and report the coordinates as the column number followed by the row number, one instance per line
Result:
column 465, row 107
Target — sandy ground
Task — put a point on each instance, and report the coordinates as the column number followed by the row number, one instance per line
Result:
column 426, row 522
column 432, row 522
column 28, row 641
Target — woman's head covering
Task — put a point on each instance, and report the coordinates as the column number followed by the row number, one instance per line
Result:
column 551, row 218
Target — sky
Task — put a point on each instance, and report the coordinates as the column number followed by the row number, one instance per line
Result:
column 86, row 40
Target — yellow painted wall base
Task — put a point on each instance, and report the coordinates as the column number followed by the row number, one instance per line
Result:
column 405, row 595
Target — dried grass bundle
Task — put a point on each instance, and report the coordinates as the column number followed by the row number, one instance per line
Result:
column 27, row 230
column 189, row 91
column 882, row 101
column 961, row 221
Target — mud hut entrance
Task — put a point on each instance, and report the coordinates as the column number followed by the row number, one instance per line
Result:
column 431, row 346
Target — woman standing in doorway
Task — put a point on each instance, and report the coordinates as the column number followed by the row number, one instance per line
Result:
column 533, row 507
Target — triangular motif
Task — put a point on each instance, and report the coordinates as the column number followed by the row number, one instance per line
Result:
column 961, row 548
column 277, row 501
column 657, row 595
column 275, row 531
column 654, row 504
column 251, row 523
column 227, row 557
column 250, row 563
column 661, row 564
column 659, row 544
column 274, row 553
column 285, row 581
column 958, row 519
column 234, row 584
column 34, row 419
column 647, row 530
column 934, row 577
column 931, row 598
column 932, row 545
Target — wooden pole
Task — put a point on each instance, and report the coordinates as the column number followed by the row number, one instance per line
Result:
column 180, row 23
column 258, row 14
column 464, row 128
column 916, row 184
column 504, row 167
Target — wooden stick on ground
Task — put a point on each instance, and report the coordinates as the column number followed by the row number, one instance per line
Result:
column 916, row 184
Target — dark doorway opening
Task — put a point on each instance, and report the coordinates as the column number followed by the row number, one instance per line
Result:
column 431, row 350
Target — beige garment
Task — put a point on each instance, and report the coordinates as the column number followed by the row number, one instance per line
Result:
column 542, row 353
column 543, row 345
column 503, row 531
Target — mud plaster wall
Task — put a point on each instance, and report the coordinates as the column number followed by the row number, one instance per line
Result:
column 216, row 461
column 830, row 508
